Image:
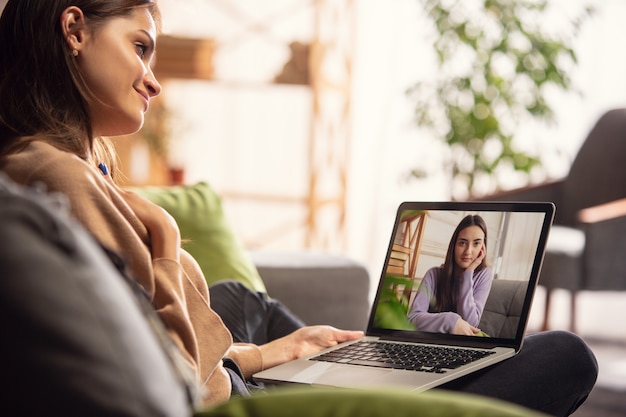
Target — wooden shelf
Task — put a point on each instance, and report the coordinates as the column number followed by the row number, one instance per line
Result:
column 184, row 58
column 321, row 64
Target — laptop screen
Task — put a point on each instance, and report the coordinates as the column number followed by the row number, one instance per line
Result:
column 461, row 271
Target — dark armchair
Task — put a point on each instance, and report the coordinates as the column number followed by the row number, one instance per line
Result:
column 587, row 245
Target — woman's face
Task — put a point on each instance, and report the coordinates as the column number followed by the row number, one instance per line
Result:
column 468, row 246
column 115, row 62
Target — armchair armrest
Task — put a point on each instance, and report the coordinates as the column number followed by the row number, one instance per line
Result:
column 603, row 212
column 319, row 288
column 605, row 229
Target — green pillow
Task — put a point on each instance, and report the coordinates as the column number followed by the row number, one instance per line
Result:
column 206, row 233
column 320, row 402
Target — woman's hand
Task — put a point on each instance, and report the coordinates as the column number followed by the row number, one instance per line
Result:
column 464, row 328
column 303, row 342
column 164, row 232
column 479, row 259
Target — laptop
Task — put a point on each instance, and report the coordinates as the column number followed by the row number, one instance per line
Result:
column 516, row 237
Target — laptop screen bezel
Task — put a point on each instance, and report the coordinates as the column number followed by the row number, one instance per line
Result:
column 546, row 208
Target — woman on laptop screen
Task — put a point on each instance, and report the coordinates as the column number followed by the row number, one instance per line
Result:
column 451, row 297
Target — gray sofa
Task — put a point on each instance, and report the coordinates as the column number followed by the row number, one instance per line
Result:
column 319, row 288
column 79, row 341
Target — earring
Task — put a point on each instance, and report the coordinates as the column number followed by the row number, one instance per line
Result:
column 75, row 53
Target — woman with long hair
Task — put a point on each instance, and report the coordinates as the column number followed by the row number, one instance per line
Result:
column 451, row 297
column 73, row 72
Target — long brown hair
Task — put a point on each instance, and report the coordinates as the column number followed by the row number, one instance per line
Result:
column 43, row 94
column 445, row 297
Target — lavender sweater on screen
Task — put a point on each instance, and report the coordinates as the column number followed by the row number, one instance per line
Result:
column 473, row 289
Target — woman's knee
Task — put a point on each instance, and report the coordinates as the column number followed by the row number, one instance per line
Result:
column 567, row 349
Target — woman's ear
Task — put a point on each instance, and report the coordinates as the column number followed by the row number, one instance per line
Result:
column 72, row 22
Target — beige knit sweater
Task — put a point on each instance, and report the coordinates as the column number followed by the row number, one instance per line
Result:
column 178, row 291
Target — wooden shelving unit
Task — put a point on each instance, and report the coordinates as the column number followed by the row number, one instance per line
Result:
column 324, row 67
column 402, row 263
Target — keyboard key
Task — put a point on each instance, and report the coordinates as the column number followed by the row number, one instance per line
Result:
column 403, row 356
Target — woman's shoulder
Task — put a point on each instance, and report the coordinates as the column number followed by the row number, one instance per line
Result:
column 45, row 152
column 485, row 273
column 40, row 162
column 433, row 272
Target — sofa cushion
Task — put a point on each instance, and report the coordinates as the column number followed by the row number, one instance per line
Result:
column 76, row 342
column 206, row 231
column 346, row 306
column 322, row 402
column 503, row 308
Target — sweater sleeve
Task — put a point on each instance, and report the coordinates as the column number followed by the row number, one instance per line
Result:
column 420, row 316
column 474, row 288
column 177, row 290
column 169, row 303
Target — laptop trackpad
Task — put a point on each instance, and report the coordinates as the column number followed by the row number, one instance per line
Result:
column 333, row 374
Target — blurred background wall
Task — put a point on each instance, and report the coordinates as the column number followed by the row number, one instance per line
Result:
column 252, row 137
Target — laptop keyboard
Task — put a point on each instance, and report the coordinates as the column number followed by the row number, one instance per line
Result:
column 435, row 359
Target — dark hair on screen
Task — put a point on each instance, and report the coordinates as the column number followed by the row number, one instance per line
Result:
column 43, row 93
column 445, row 298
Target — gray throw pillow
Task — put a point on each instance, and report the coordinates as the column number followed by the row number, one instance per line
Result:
column 75, row 341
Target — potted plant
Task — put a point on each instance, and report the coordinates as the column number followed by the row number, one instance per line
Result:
column 496, row 66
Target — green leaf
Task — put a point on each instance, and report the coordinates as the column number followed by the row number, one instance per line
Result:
column 541, row 60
